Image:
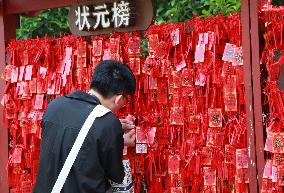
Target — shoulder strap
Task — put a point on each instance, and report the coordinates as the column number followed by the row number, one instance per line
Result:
column 98, row 111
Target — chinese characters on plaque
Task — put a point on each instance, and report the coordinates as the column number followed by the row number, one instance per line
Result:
column 91, row 17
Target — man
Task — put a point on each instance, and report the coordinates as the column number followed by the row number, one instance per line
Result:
column 100, row 157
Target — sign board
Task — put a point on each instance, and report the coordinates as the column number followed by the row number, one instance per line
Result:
column 105, row 16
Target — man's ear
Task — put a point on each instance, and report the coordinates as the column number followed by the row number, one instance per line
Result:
column 118, row 99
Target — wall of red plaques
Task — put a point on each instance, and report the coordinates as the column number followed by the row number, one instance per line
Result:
column 272, row 61
column 189, row 105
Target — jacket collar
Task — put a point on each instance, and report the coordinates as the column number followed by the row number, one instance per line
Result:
column 82, row 96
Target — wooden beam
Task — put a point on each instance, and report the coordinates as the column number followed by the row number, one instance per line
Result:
column 6, row 33
column 246, row 44
column 24, row 6
column 255, row 62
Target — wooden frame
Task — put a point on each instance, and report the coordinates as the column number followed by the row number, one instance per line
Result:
column 9, row 15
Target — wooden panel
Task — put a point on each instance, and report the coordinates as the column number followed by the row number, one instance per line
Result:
column 245, row 19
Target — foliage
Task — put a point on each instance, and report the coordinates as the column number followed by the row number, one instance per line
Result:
column 277, row 2
column 50, row 22
column 181, row 10
column 54, row 21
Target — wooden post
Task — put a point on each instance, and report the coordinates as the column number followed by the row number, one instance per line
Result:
column 257, row 106
column 246, row 44
column 250, row 40
column 3, row 130
column 5, row 33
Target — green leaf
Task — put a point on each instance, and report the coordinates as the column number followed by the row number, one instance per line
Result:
column 54, row 21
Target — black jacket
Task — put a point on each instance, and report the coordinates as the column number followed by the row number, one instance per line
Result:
column 100, row 157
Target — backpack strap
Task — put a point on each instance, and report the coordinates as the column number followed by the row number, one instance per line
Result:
column 98, row 111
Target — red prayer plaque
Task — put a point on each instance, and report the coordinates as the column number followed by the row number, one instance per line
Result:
column 97, row 48
column 209, row 176
column 242, row 158
column 153, row 41
column 215, row 117
column 134, row 45
column 174, row 164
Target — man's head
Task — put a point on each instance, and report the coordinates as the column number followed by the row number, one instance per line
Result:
column 113, row 82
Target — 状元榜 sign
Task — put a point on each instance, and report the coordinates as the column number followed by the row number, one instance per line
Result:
column 105, row 16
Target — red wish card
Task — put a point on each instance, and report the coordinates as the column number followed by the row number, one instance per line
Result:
column 215, row 117
column 174, row 164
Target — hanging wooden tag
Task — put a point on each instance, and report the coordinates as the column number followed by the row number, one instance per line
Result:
column 174, row 164
column 210, row 189
column 269, row 142
column 39, row 101
column 228, row 55
column 17, row 155
column 230, row 101
column 153, row 41
column 207, row 156
column 114, row 45
column 162, row 50
column 209, row 176
column 194, row 124
column 203, row 38
column 29, row 72
column 10, row 110
column 162, row 95
column 176, row 180
column 140, row 135
column 266, row 186
column 200, row 79
column 6, row 75
column 215, row 117
column 242, row 175
column 14, row 75
column 167, row 67
column 134, row 45
column 267, row 172
column 278, row 143
column 97, row 48
column 141, row 148
column 175, row 36
column 25, row 57
column 21, row 73
column 278, row 159
column 238, row 57
column 199, row 53
column 81, row 50
column 51, row 88
column 280, row 175
column 176, row 190
column 177, row 116
column 230, row 157
column 241, row 158
column 134, row 64
column 151, row 134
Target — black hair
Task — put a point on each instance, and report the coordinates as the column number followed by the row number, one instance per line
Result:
column 111, row 77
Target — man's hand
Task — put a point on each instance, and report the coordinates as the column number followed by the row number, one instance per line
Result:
column 127, row 123
column 129, row 138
